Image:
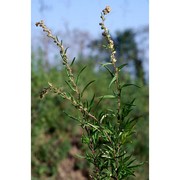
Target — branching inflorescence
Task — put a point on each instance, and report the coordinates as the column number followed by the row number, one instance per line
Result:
column 111, row 47
column 108, row 132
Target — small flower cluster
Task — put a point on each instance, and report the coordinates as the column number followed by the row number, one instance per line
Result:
column 45, row 29
column 111, row 47
column 106, row 10
column 107, row 35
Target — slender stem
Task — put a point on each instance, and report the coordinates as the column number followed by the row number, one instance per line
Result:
column 110, row 42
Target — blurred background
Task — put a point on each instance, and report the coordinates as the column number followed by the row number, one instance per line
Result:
column 56, row 139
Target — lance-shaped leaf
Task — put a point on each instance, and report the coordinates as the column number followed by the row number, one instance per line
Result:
column 130, row 162
column 127, row 158
column 86, row 87
column 91, row 103
column 80, row 74
column 73, row 61
column 108, row 97
column 69, row 95
column 112, row 81
column 66, row 50
column 74, row 118
column 101, row 98
column 126, row 85
column 109, row 147
column 106, row 156
column 70, row 86
column 121, row 66
column 137, row 165
column 131, row 103
column 80, row 156
column 92, row 125
column 105, row 65
column 132, row 122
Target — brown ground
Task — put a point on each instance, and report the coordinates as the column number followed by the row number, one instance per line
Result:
column 67, row 169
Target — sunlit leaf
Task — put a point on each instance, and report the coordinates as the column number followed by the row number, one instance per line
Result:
column 108, row 97
column 105, row 64
column 112, row 81
column 80, row 156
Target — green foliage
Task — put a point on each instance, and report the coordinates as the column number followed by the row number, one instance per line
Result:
column 103, row 108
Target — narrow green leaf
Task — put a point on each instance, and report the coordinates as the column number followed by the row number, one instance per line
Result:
column 50, row 84
column 131, row 103
column 105, row 64
column 103, row 116
column 121, row 66
column 71, row 116
column 70, row 86
column 107, row 131
column 130, row 162
column 134, row 166
column 73, row 61
column 112, row 81
column 127, row 158
column 66, row 50
column 94, row 126
column 126, row 85
column 91, row 103
column 131, row 123
column 106, row 156
column 80, row 74
column 109, row 71
column 101, row 98
column 108, row 97
column 86, row 87
column 110, row 148
column 121, row 155
column 92, row 100
column 85, row 139
column 136, row 118
column 69, row 95
column 80, row 156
